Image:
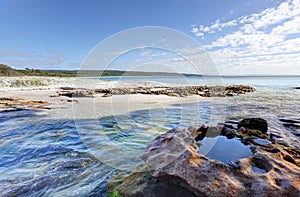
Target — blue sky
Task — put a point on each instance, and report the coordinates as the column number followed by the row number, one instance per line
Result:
column 240, row 36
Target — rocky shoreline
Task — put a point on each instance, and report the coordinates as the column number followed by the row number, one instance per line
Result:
column 175, row 167
column 179, row 91
column 16, row 103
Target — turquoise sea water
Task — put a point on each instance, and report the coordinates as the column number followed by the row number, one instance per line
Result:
column 268, row 82
column 40, row 156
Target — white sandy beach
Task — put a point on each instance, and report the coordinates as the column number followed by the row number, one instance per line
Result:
column 85, row 107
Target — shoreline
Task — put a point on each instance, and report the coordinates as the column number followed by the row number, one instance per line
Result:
column 111, row 98
column 104, row 98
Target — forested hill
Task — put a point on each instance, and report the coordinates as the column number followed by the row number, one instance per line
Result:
column 8, row 71
column 11, row 72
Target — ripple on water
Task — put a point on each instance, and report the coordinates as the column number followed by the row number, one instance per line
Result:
column 40, row 156
column 44, row 157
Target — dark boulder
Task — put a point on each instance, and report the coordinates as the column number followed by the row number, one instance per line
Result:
column 144, row 185
column 254, row 123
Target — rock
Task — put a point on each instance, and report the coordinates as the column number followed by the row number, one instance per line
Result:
column 201, row 133
column 297, row 88
column 252, row 132
column 21, row 104
column 106, row 95
column 228, row 126
column 83, row 93
column 66, row 88
column 290, row 123
column 143, row 184
column 76, row 93
column 231, row 122
column 72, row 100
column 230, row 134
column 173, row 158
column 102, row 91
column 274, row 137
column 180, row 91
column 58, row 175
column 254, row 123
column 214, row 131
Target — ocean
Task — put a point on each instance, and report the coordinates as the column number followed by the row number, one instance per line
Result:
column 40, row 156
column 259, row 82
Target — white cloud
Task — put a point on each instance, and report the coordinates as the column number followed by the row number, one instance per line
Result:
column 199, row 34
column 229, row 23
column 205, row 29
column 215, row 26
column 201, row 30
column 258, row 42
column 194, row 30
column 290, row 27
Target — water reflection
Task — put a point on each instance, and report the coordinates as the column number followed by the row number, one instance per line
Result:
column 223, row 149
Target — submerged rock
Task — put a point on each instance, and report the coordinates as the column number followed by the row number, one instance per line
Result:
column 76, row 92
column 290, row 123
column 59, row 174
column 11, row 104
column 173, row 158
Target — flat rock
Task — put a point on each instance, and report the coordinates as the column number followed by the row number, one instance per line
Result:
column 273, row 170
column 9, row 104
column 180, row 91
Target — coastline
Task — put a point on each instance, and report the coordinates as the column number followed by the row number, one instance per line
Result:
column 106, row 106
column 124, row 96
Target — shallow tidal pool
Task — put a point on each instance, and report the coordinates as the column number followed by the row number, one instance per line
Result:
column 223, row 149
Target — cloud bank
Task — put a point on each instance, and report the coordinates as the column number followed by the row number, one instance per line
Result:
column 260, row 43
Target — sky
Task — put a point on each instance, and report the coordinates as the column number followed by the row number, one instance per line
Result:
column 241, row 37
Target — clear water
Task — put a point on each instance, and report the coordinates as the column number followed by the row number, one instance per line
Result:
column 40, row 156
column 222, row 149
